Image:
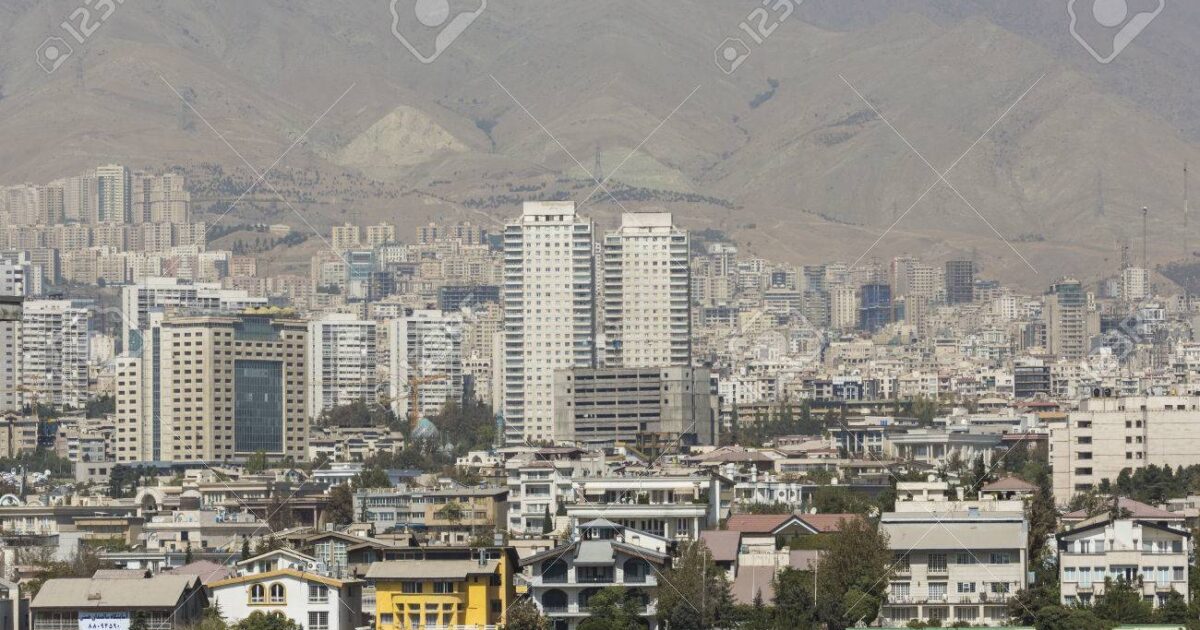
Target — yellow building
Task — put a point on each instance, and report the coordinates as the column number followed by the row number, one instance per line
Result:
column 443, row 586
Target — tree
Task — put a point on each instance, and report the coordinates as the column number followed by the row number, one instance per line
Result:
column 1122, row 603
column 257, row 463
column 245, row 548
column 524, row 615
column 258, row 620
column 793, row 600
column 1173, row 611
column 187, row 553
column 453, row 512
column 613, row 608
column 1059, row 618
column 547, row 522
column 341, row 505
column 373, row 477
column 139, row 621
column 854, row 574
column 757, row 616
column 701, row 598
column 213, row 619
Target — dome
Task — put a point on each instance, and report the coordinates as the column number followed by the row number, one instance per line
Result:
column 425, row 430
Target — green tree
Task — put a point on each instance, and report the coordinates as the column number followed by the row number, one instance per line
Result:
column 139, row 621
column 258, row 620
column 793, row 600
column 547, row 522
column 372, row 477
column 853, row 575
column 1059, row 618
column 245, row 548
column 257, row 463
column 701, row 598
column 453, row 512
column 524, row 615
column 1122, row 603
column 213, row 619
column 757, row 616
column 613, row 608
column 187, row 553
column 341, row 505
column 1174, row 610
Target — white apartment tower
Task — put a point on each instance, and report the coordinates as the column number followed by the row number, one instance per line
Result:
column 549, row 312
column 55, row 351
column 114, row 192
column 646, row 293
column 426, row 356
column 137, row 300
column 341, row 362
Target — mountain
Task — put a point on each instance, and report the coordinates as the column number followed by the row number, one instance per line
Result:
column 782, row 155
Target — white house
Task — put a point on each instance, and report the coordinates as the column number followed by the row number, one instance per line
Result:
column 283, row 581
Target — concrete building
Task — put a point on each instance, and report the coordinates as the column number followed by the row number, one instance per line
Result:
column 12, row 285
column 646, row 288
column 426, row 349
column 646, row 406
column 954, row 565
column 162, row 602
column 1145, row 546
column 341, row 362
column 442, row 587
column 875, row 307
column 843, row 308
column 549, row 300
column 55, row 352
column 1066, row 316
column 302, row 593
column 671, row 507
column 138, row 300
column 225, row 387
column 960, row 282
column 1107, row 435
column 114, row 192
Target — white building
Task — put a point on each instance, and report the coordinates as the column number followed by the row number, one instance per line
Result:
column 674, row 508
column 55, row 351
column 646, row 293
column 341, row 362
column 426, row 356
column 114, row 190
column 172, row 293
column 290, row 583
column 1145, row 546
column 549, row 321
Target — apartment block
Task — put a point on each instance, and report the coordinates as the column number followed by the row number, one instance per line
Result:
column 549, row 320
column 342, row 361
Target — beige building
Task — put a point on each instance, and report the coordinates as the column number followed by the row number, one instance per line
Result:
column 1107, row 435
column 214, row 388
column 1146, row 546
column 955, row 562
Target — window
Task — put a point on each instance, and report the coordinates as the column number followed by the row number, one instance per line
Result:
column 965, row 558
column 443, row 588
column 318, row 594
column 410, row 588
column 318, row 620
column 999, row 587
column 258, row 594
column 966, row 587
column 1000, row 557
column 937, row 562
column 278, row 594
column 937, row 590
column 900, row 589
column 385, row 619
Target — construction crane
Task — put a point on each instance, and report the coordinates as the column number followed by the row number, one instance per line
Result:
column 414, row 395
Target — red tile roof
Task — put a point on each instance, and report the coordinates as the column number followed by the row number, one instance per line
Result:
column 756, row 523
column 826, row 522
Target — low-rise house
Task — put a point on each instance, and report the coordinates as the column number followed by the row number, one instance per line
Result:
column 444, row 586
column 162, row 602
column 316, row 601
column 674, row 507
column 606, row 554
column 1134, row 542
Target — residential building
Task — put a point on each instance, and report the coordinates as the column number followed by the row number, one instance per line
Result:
column 55, row 352
column 541, row 485
column 875, row 307
column 549, row 312
column 444, row 586
column 300, row 593
column 1147, row 547
column 672, row 507
column 114, row 193
column 341, row 362
column 1066, row 316
column 954, row 566
column 651, row 406
column 563, row 580
column 162, row 602
column 646, row 288
column 426, row 360
column 12, row 285
column 138, row 300
column 1109, row 434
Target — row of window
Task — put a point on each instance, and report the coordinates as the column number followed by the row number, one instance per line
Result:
column 276, row 593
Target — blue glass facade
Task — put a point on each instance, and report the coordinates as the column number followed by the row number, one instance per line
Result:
column 258, row 406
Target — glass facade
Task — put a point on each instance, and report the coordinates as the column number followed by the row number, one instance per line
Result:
column 258, row 406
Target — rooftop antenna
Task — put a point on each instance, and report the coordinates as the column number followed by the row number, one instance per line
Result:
column 1187, row 252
